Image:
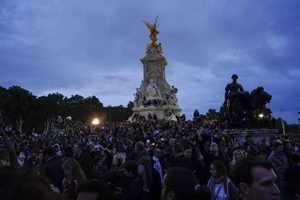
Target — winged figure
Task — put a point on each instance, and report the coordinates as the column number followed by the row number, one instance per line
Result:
column 153, row 29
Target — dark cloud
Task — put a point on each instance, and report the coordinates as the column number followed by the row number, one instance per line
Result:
column 93, row 48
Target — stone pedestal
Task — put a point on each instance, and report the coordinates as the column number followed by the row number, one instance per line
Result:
column 256, row 134
column 160, row 112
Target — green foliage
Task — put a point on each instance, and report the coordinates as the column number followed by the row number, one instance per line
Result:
column 16, row 102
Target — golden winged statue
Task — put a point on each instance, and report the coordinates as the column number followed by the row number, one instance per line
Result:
column 153, row 30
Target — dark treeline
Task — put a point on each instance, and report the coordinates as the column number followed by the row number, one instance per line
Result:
column 16, row 103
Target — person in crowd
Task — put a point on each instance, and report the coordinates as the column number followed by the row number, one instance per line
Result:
column 279, row 161
column 158, row 163
column 292, row 178
column 256, row 179
column 73, row 178
column 94, row 190
column 20, row 184
column 183, row 187
column 8, row 145
column 219, row 184
column 100, row 169
column 53, row 167
column 33, row 160
column 4, row 157
column 180, row 160
column 288, row 150
column 21, row 158
column 144, row 167
column 263, row 153
column 158, row 171
column 133, row 184
column 237, row 156
column 210, row 156
column 119, row 158
column 84, row 159
column 196, row 163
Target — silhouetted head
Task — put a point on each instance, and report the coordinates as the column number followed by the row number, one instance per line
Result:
column 234, row 77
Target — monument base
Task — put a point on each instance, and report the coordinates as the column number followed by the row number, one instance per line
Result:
column 256, row 134
column 161, row 112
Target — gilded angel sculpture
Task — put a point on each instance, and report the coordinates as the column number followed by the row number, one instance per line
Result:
column 153, row 30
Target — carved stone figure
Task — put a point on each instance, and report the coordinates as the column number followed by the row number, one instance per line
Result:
column 153, row 91
column 137, row 97
column 172, row 96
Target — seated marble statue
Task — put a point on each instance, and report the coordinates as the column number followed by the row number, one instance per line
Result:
column 153, row 90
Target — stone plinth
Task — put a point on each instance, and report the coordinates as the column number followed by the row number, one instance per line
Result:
column 160, row 112
column 256, row 134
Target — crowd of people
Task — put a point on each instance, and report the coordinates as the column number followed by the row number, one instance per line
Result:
column 148, row 160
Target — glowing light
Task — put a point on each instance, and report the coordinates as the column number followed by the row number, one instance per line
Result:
column 95, row 121
column 261, row 115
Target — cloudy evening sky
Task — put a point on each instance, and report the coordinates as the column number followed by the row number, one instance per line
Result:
column 93, row 47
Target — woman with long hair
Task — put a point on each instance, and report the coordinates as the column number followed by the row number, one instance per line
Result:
column 74, row 178
column 237, row 156
column 219, row 184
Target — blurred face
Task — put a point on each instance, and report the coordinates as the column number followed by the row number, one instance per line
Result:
column 76, row 149
column 5, row 162
column 99, row 163
column 213, row 147
column 157, row 153
column 263, row 156
column 213, row 171
column 21, row 156
column 67, row 178
column 172, row 141
column 263, row 186
column 238, row 155
column 188, row 153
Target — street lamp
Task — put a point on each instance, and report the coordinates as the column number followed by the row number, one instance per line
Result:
column 95, row 121
column 261, row 115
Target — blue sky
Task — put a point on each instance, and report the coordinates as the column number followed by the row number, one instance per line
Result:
column 93, row 47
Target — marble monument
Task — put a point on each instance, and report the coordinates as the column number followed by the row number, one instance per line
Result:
column 155, row 98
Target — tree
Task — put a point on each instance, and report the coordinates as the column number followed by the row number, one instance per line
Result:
column 211, row 114
column 16, row 102
column 130, row 105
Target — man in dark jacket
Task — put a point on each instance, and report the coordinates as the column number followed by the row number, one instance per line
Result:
column 133, row 183
column 144, row 167
column 180, row 160
column 209, row 157
column 85, row 160
column 53, row 167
